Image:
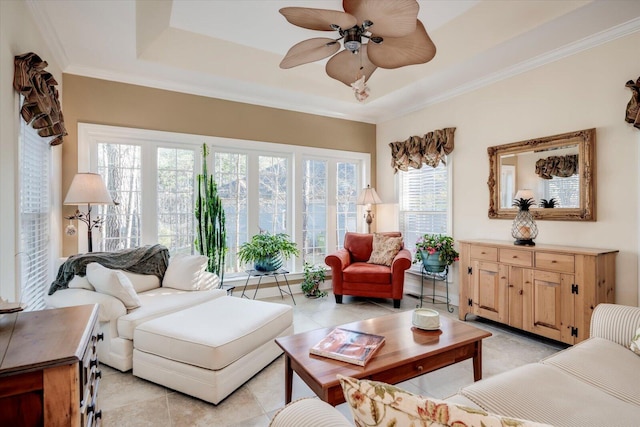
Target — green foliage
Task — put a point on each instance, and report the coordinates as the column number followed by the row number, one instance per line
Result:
column 432, row 243
column 523, row 204
column 267, row 245
column 313, row 276
column 211, row 233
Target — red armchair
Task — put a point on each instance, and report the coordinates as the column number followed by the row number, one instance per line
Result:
column 352, row 275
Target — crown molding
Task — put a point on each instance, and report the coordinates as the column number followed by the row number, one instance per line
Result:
column 49, row 34
column 568, row 50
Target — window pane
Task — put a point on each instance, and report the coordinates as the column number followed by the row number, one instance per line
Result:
column 119, row 165
column 346, row 197
column 423, row 203
column 231, row 178
column 273, row 194
column 35, row 157
column 314, row 215
column 176, row 199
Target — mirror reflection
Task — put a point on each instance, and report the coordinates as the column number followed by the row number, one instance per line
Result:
column 559, row 170
column 552, row 175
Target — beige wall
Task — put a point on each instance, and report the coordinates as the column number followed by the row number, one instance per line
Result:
column 583, row 91
column 90, row 100
column 18, row 34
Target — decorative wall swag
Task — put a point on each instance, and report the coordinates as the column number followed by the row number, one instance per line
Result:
column 633, row 107
column 560, row 166
column 41, row 108
column 416, row 150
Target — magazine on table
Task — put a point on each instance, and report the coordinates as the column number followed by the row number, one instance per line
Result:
column 348, row 346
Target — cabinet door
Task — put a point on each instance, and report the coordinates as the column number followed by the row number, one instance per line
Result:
column 549, row 305
column 490, row 290
column 518, row 277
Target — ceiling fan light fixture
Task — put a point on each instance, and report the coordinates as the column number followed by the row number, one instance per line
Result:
column 352, row 40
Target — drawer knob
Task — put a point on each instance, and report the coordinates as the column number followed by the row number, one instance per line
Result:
column 520, row 292
column 553, row 261
column 419, row 368
column 515, row 256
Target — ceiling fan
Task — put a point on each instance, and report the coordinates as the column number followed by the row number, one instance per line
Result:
column 375, row 33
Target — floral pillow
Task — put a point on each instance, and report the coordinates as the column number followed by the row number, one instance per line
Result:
column 374, row 403
column 635, row 343
column 385, row 249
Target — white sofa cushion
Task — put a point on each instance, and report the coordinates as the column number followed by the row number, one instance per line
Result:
column 81, row 282
column 603, row 364
column 114, row 283
column 214, row 334
column 110, row 307
column 185, row 272
column 142, row 282
column 549, row 395
column 162, row 301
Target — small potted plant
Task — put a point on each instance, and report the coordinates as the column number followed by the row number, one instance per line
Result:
column 313, row 276
column 267, row 251
column 436, row 252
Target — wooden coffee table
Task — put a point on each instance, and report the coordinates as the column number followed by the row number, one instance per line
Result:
column 408, row 352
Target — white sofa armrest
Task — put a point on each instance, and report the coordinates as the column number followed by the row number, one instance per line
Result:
column 309, row 412
column 617, row 323
column 111, row 308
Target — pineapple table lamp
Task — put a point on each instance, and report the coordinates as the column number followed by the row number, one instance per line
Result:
column 524, row 228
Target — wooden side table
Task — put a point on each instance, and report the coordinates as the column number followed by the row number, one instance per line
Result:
column 260, row 274
column 49, row 372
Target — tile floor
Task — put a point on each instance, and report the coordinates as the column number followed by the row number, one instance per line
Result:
column 129, row 401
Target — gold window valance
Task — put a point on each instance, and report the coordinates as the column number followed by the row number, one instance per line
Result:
column 41, row 108
column 560, row 166
column 428, row 149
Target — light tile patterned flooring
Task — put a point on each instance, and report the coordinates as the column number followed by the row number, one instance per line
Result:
column 130, row 401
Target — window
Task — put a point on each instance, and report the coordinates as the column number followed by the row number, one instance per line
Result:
column 314, row 215
column 346, row 196
column 35, row 211
column 424, row 202
column 300, row 191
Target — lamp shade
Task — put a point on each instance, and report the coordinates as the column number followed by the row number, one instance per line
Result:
column 368, row 196
column 88, row 188
column 524, row 194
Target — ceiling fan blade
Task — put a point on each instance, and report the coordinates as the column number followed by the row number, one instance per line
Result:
column 309, row 51
column 318, row 19
column 396, row 52
column 346, row 66
column 395, row 18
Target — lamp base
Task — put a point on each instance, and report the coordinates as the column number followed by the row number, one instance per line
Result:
column 524, row 242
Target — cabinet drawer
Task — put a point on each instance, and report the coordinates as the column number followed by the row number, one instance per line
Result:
column 516, row 257
column 556, row 262
column 484, row 253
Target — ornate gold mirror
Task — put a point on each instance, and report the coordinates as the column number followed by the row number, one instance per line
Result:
column 559, row 169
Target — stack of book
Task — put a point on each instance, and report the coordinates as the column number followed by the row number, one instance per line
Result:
column 348, row 346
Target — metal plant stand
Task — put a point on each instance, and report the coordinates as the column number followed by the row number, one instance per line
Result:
column 434, row 298
column 261, row 274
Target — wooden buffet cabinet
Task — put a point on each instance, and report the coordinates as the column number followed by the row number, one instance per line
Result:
column 49, row 372
column 547, row 290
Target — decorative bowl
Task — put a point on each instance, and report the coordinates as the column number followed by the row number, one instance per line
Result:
column 426, row 318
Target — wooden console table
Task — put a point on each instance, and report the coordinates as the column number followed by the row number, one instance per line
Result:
column 544, row 289
column 49, row 371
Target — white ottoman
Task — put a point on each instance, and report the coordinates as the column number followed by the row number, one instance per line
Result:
column 211, row 349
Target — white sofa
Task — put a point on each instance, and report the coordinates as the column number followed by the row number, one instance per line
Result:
column 594, row 383
column 118, row 324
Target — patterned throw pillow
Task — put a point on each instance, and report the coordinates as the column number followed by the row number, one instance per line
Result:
column 635, row 343
column 374, row 403
column 385, row 249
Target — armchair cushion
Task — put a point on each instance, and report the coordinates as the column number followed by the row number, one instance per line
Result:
column 365, row 272
column 385, row 248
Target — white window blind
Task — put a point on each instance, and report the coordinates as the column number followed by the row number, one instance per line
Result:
column 35, row 211
column 272, row 194
column 346, row 198
column 314, row 214
column 566, row 191
column 424, row 203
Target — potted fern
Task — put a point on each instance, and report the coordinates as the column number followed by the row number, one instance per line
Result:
column 314, row 275
column 267, row 251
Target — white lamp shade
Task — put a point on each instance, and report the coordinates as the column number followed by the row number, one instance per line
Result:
column 368, row 196
column 525, row 194
column 88, row 188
